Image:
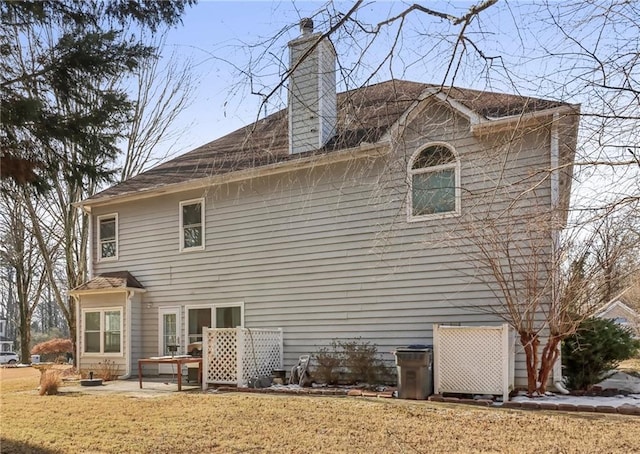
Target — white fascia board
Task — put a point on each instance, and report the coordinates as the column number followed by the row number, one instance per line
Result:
column 363, row 151
column 99, row 291
column 521, row 120
column 419, row 105
column 620, row 305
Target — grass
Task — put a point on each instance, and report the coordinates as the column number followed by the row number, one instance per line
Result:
column 226, row 423
column 631, row 366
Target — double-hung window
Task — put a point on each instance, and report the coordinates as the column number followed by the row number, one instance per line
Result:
column 192, row 225
column 102, row 331
column 434, row 174
column 108, row 237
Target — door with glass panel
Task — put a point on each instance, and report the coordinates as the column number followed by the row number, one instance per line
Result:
column 169, row 340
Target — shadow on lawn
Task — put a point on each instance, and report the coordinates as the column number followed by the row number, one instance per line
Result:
column 11, row 446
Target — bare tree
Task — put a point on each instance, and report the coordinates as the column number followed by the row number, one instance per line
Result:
column 56, row 226
column 21, row 252
column 161, row 94
column 616, row 250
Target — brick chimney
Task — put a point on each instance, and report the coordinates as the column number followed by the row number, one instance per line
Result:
column 312, row 91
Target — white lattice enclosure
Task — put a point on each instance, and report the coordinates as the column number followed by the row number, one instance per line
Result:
column 473, row 360
column 234, row 355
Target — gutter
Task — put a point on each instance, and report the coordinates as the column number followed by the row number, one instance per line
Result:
column 78, row 321
column 526, row 119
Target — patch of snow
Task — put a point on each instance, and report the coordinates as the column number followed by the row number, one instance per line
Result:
column 614, row 401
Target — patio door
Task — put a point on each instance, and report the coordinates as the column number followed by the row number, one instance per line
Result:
column 228, row 315
column 169, row 336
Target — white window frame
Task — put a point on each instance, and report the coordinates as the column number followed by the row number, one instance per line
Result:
column 212, row 308
column 411, row 172
column 102, row 311
column 202, row 225
column 99, row 239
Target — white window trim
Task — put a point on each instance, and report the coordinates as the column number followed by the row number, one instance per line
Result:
column 217, row 305
column 99, row 239
column 101, row 353
column 202, row 218
column 211, row 307
column 411, row 172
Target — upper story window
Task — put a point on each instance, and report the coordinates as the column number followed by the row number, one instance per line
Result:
column 108, row 237
column 434, row 178
column 192, row 225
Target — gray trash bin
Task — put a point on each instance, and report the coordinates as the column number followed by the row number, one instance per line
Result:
column 415, row 372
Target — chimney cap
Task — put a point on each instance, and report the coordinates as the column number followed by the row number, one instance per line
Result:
column 306, row 26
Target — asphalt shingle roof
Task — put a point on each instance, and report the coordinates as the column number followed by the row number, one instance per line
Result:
column 113, row 280
column 364, row 115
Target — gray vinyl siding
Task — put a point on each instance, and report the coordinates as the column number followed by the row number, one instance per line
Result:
column 328, row 253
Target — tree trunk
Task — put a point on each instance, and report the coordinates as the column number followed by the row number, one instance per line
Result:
column 72, row 322
column 549, row 357
column 530, row 342
column 25, row 337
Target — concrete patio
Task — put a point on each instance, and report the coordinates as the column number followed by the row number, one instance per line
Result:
column 151, row 387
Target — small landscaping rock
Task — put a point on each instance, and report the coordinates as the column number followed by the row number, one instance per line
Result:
column 586, row 408
column 531, row 405
column 512, row 404
column 548, row 406
column 567, row 407
column 629, row 410
column 606, row 409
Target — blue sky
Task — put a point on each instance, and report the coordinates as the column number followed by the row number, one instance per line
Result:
column 223, row 39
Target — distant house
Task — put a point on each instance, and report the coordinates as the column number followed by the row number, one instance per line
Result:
column 6, row 343
column 620, row 311
column 337, row 217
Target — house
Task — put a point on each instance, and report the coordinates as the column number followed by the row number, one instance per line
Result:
column 338, row 217
column 6, row 343
column 621, row 312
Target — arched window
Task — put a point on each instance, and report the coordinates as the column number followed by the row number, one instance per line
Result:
column 433, row 176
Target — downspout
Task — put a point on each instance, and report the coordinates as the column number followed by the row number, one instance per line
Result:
column 87, row 210
column 555, row 204
column 127, row 349
column 78, row 324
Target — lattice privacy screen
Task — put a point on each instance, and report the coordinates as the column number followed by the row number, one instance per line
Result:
column 235, row 355
column 473, row 360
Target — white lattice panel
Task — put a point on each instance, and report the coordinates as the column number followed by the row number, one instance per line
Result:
column 262, row 353
column 234, row 355
column 473, row 360
column 221, row 356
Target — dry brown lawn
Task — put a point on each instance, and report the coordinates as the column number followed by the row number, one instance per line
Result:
column 630, row 365
column 227, row 423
